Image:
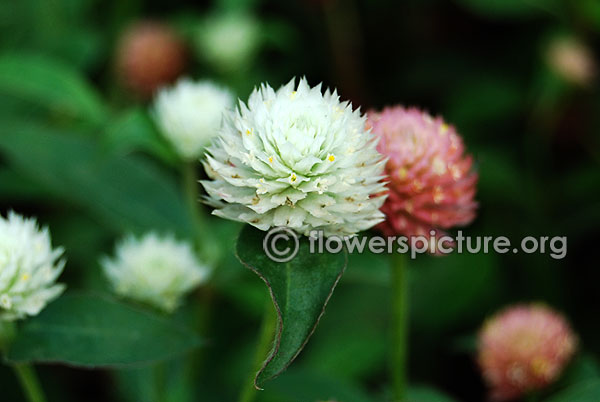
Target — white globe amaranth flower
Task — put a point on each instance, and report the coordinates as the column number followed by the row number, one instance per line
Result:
column 189, row 114
column 156, row 270
column 29, row 267
column 229, row 42
column 299, row 158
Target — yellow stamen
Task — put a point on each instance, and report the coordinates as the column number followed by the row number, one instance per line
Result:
column 331, row 158
column 402, row 172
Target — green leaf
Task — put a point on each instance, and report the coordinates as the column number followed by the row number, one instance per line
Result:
column 585, row 367
column 464, row 282
column 476, row 102
column 52, row 85
column 588, row 391
column 15, row 187
column 300, row 289
column 127, row 193
column 353, row 352
column 133, row 131
column 236, row 6
column 426, row 394
column 91, row 330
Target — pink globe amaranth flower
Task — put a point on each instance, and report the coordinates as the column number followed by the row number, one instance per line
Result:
column 524, row 348
column 432, row 184
column 149, row 56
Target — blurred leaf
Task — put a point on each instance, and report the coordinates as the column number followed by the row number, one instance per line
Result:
column 589, row 10
column 464, row 283
column 500, row 180
column 368, row 267
column 236, row 6
column 352, row 352
column 300, row 289
column 84, row 239
column 60, row 29
column 140, row 384
column 588, row 391
column 584, row 368
column 133, row 131
column 128, row 193
column 478, row 101
column 90, row 330
column 303, row 386
column 7, row 334
column 137, row 384
column 14, row 187
column 425, row 394
column 51, row 84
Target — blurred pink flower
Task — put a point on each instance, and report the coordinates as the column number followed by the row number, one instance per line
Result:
column 524, row 348
column 432, row 185
column 149, row 55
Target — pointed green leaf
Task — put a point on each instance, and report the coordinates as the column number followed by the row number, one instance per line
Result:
column 132, row 131
column 300, row 289
column 52, row 85
column 125, row 192
column 92, row 330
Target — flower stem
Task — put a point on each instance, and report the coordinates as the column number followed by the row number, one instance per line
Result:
column 399, row 282
column 263, row 347
column 190, row 185
column 204, row 243
column 29, row 382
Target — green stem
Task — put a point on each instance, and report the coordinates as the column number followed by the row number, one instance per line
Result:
column 190, row 185
column 263, row 347
column 399, row 279
column 203, row 241
column 29, row 382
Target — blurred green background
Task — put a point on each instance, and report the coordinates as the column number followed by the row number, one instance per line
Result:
column 79, row 150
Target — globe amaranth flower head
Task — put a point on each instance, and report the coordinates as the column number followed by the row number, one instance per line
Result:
column 29, row 267
column 156, row 270
column 189, row 114
column 431, row 184
column 524, row 348
column 229, row 41
column 299, row 158
column 149, row 55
